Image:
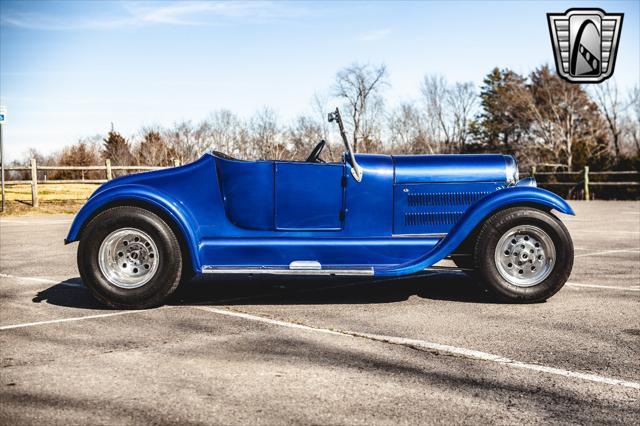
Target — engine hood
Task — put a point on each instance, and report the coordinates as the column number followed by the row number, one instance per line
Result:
column 455, row 168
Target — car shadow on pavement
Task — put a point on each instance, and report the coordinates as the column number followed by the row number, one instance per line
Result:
column 455, row 287
column 259, row 290
column 69, row 293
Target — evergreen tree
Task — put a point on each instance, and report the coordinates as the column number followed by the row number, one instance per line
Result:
column 504, row 119
column 117, row 149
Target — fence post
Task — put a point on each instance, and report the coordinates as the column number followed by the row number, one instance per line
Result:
column 176, row 162
column 107, row 165
column 533, row 172
column 34, row 183
column 586, row 183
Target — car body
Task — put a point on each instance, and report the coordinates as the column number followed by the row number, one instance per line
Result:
column 406, row 214
column 388, row 215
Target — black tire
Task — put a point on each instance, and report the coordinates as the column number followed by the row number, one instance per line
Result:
column 499, row 224
column 463, row 255
column 464, row 261
column 163, row 282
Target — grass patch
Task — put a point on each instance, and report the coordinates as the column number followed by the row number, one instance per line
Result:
column 53, row 198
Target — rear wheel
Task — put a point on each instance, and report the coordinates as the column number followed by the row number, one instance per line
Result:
column 523, row 254
column 129, row 258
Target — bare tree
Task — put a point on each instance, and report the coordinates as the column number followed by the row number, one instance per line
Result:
column 462, row 101
column 607, row 97
column 631, row 122
column 449, row 109
column 407, row 130
column 265, row 135
column 304, row 135
column 360, row 86
column 563, row 118
column 41, row 159
column 153, row 149
column 184, row 140
column 321, row 108
column 86, row 152
column 224, row 129
column 434, row 91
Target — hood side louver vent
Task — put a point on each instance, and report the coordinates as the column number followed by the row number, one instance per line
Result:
column 424, row 219
column 444, row 199
column 435, row 208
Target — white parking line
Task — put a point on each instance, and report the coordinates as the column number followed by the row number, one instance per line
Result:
column 412, row 343
column 598, row 231
column 56, row 321
column 598, row 253
column 433, row 347
column 607, row 287
column 34, row 222
column 42, row 280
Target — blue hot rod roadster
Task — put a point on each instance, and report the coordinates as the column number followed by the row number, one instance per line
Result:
column 379, row 215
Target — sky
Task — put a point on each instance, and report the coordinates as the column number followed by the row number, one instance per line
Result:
column 70, row 69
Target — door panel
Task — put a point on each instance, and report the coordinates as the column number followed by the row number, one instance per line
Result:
column 247, row 192
column 309, row 196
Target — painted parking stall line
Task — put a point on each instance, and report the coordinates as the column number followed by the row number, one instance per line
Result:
column 61, row 320
column 605, row 287
column 39, row 222
column 42, row 280
column 605, row 252
column 598, row 231
column 433, row 347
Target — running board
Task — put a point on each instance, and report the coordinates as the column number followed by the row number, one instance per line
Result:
column 248, row 270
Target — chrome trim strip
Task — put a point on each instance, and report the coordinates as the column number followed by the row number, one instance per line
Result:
column 285, row 271
column 447, row 268
column 434, row 235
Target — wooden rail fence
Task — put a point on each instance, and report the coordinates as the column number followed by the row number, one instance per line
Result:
column 34, row 168
column 583, row 183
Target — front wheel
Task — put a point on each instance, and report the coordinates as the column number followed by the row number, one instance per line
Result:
column 129, row 258
column 523, row 254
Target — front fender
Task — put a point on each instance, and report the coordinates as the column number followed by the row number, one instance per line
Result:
column 511, row 196
column 141, row 194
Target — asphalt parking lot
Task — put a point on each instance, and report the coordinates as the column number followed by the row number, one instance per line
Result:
column 428, row 349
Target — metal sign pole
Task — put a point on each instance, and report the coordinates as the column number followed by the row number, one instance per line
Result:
column 3, row 121
column 2, row 167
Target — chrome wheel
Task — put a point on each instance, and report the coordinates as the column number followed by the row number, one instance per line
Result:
column 128, row 258
column 525, row 255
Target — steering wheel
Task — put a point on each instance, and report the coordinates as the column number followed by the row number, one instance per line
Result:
column 314, row 157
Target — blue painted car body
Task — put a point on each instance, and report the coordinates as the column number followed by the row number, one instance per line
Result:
column 406, row 214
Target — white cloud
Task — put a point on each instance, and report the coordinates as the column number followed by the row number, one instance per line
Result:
column 203, row 13
column 374, row 35
column 37, row 21
column 137, row 14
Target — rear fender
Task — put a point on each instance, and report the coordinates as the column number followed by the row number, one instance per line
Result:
column 476, row 214
column 123, row 194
